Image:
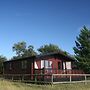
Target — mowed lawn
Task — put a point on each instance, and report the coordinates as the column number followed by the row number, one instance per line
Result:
column 7, row 85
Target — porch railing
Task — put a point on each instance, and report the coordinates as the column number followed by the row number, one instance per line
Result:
column 56, row 71
column 53, row 78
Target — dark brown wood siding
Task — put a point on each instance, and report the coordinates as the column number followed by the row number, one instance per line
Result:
column 15, row 67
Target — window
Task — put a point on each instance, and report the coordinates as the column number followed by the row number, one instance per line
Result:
column 46, row 64
column 50, row 64
column 35, row 65
column 64, row 65
column 59, row 65
column 42, row 64
column 68, row 65
column 24, row 64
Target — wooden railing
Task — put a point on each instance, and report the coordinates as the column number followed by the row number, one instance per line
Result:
column 52, row 78
column 56, row 71
column 70, row 78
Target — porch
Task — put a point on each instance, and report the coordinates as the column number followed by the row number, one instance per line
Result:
column 46, row 74
column 49, row 79
column 50, row 71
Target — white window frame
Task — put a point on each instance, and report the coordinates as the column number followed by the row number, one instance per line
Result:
column 46, row 64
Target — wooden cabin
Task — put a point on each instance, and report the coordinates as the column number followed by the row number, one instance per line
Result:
column 52, row 63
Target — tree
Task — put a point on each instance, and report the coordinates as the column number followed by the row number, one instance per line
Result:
column 19, row 48
column 48, row 49
column 82, row 49
column 29, row 51
column 22, row 50
column 2, row 59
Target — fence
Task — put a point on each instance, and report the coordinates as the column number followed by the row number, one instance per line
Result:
column 70, row 78
column 49, row 79
column 33, row 78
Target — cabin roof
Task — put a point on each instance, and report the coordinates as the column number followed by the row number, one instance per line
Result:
column 60, row 53
column 45, row 55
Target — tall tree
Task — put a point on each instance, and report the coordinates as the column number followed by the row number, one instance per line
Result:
column 19, row 48
column 48, row 48
column 22, row 50
column 82, row 49
column 29, row 51
column 2, row 59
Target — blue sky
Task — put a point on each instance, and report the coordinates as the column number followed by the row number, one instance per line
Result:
column 40, row 22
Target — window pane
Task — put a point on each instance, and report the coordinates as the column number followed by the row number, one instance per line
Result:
column 46, row 64
column 50, row 64
column 64, row 66
column 68, row 65
column 35, row 65
column 42, row 64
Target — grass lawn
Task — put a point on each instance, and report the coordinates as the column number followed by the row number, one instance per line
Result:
column 7, row 85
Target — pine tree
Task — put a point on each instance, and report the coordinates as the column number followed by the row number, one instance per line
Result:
column 82, row 49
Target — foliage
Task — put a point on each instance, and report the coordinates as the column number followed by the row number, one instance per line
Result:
column 2, row 59
column 48, row 49
column 22, row 50
column 82, row 49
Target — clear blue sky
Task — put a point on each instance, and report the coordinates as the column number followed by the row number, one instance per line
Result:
column 41, row 22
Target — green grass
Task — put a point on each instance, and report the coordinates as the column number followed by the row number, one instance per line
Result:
column 7, row 85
